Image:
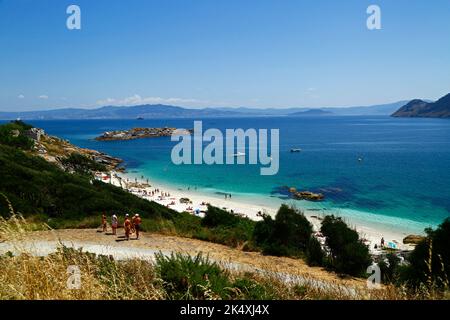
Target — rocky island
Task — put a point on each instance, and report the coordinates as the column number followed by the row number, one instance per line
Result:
column 140, row 133
column 306, row 195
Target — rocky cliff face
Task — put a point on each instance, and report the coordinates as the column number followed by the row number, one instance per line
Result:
column 54, row 150
column 421, row 109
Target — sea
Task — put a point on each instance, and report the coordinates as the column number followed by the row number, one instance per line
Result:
column 394, row 171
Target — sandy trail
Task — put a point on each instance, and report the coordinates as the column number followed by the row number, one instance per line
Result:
column 91, row 240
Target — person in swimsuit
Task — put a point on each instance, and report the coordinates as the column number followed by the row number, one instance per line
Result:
column 104, row 225
column 137, row 224
column 127, row 226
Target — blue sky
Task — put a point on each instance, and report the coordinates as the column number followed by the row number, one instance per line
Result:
column 197, row 53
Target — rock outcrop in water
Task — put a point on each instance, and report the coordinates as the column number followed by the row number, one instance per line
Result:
column 140, row 133
column 306, row 195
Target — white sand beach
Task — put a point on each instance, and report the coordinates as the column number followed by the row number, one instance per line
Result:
column 170, row 196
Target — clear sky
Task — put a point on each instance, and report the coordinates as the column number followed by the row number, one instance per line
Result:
column 197, row 53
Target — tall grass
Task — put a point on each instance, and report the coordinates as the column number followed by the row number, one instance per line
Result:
column 27, row 276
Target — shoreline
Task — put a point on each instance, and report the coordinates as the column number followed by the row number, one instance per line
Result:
column 371, row 232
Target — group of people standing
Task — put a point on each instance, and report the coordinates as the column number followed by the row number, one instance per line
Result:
column 130, row 226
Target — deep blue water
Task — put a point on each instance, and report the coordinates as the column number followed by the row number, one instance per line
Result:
column 405, row 172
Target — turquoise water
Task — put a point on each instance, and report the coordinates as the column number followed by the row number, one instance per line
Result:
column 403, row 180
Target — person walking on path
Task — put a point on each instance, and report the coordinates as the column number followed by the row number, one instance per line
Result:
column 104, row 224
column 137, row 224
column 127, row 226
column 114, row 224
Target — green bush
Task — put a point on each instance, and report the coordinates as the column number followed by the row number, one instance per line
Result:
column 215, row 217
column 224, row 227
column 20, row 141
column 81, row 164
column 186, row 277
column 389, row 268
column 348, row 254
column 248, row 289
column 430, row 260
column 287, row 235
column 314, row 253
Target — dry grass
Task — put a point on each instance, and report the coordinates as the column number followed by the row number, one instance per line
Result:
column 27, row 276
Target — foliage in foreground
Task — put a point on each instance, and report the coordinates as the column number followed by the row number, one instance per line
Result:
column 429, row 263
column 286, row 235
column 27, row 276
column 349, row 255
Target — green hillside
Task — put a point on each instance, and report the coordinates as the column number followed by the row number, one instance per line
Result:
column 36, row 187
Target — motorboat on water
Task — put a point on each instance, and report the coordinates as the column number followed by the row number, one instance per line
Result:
column 296, row 150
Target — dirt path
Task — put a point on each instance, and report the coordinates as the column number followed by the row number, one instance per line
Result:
column 44, row 242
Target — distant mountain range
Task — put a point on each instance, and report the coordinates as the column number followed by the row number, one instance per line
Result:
column 167, row 111
column 423, row 109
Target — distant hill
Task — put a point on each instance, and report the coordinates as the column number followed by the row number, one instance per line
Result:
column 422, row 109
column 160, row 111
column 374, row 110
column 312, row 112
column 264, row 111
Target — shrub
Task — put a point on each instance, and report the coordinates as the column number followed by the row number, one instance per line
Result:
column 224, row 227
column 348, row 254
column 389, row 268
column 249, row 289
column 430, row 260
column 186, row 277
column 287, row 235
column 314, row 253
column 81, row 164
column 7, row 136
column 215, row 217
